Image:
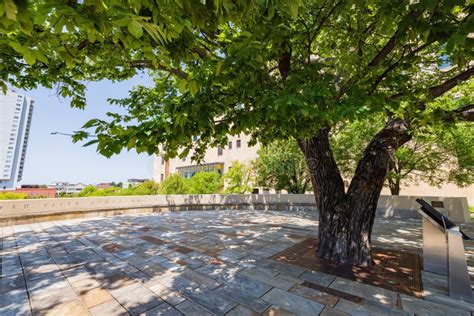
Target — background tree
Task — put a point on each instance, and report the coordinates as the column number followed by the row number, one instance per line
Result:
column 174, row 184
column 436, row 154
column 148, row 187
column 13, row 196
column 205, row 183
column 239, row 178
column 281, row 166
column 116, row 184
column 271, row 69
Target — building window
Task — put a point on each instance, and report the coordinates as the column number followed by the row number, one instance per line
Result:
column 219, row 151
column 184, row 159
column 238, row 143
column 162, row 160
column 230, row 145
column 162, row 177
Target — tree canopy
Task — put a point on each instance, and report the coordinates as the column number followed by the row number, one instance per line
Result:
column 269, row 68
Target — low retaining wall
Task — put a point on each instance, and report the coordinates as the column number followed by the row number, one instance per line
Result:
column 26, row 211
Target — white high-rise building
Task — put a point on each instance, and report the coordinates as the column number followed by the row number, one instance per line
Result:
column 16, row 111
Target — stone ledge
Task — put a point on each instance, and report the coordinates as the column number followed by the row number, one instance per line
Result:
column 16, row 211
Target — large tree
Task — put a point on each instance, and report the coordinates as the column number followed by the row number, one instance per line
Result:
column 272, row 69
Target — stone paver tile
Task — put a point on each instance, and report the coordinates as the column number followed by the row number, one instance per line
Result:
column 45, row 299
column 15, row 302
column 166, row 294
column 231, row 255
column 76, row 274
column 11, row 267
column 259, row 253
column 423, row 307
column 317, row 277
column 247, row 285
column 366, row 291
column 85, row 285
column 368, row 308
column 237, row 295
column 278, row 311
column 189, row 308
column 176, row 282
column 136, row 298
column 213, row 301
column 162, row 310
column 190, row 263
column 281, row 267
column 112, row 308
column 329, row 311
column 140, row 276
column 314, row 295
column 116, row 281
column 292, row 302
column 200, row 278
column 95, row 296
column 216, row 270
column 240, row 310
column 266, row 276
column 171, row 266
column 449, row 301
column 52, row 283
column 70, row 308
column 102, row 269
column 12, row 282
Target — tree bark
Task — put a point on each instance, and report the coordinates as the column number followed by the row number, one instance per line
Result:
column 394, row 186
column 346, row 218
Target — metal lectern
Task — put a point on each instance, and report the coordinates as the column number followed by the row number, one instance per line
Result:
column 443, row 251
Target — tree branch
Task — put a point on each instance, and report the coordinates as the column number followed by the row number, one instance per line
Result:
column 393, row 66
column 391, row 44
column 465, row 113
column 323, row 20
column 444, row 87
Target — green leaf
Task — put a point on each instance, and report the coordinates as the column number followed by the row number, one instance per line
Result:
column 29, row 57
column 293, row 6
column 91, row 142
column 10, row 9
column 135, row 28
column 182, row 85
column 219, row 67
column 18, row 47
column 193, row 87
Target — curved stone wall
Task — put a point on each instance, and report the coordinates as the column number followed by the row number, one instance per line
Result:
column 23, row 211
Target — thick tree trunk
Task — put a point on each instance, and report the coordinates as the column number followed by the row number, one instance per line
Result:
column 346, row 219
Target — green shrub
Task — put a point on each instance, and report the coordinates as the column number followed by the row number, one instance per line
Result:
column 205, row 183
column 13, row 196
column 146, row 188
column 238, row 179
column 174, row 184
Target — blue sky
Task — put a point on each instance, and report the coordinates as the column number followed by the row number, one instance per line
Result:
column 55, row 158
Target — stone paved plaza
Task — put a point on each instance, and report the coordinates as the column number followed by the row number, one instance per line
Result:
column 194, row 263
